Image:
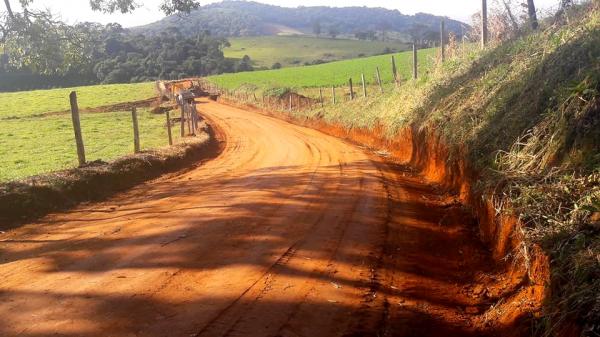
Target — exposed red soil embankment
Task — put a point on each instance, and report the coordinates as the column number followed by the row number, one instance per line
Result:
column 518, row 287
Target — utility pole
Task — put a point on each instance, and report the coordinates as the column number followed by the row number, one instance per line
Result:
column 415, row 62
column 442, row 33
column 484, row 24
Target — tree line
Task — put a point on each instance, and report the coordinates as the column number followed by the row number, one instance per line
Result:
column 169, row 55
column 501, row 20
column 114, row 55
column 38, row 50
column 249, row 18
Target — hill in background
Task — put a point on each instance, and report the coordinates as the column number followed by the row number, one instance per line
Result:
column 242, row 18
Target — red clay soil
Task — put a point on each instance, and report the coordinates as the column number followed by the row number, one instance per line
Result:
column 289, row 232
column 520, row 286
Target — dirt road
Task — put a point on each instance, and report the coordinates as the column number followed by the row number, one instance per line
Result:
column 288, row 232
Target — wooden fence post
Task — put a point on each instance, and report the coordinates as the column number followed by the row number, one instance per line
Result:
column 333, row 94
column 188, row 116
column 194, row 118
column 351, row 89
column 364, row 85
column 415, row 62
column 484, row 24
column 321, row 96
column 394, row 70
column 182, row 120
column 136, row 131
column 291, row 102
column 77, row 128
column 442, row 33
column 169, row 128
column 190, row 119
column 379, row 80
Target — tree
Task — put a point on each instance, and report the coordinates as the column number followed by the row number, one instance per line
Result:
column 317, row 27
column 333, row 32
column 532, row 14
column 371, row 35
column 510, row 15
column 245, row 64
column 360, row 35
column 507, row 19
column 564, row 4
column 384, row 26
column 417, row 33
column 368, row 35
column 484, row 23
column 37, row 40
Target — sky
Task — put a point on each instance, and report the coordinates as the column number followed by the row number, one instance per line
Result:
column 73, row 11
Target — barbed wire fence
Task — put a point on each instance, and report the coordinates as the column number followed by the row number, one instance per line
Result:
column 185, row 116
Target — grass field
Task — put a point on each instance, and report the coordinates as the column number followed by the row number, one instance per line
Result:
column 31, row 103
column 31, row 144
column 323, row 75
column 297, row 50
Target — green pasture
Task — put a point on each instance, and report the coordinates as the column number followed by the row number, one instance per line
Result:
column 329, row 74
column 265, row 51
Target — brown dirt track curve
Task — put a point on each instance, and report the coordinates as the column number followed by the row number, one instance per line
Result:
column 289, row 232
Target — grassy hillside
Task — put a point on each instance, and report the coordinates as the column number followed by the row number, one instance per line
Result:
column 31, row 144
column 30, row 103
column 298, row 50
column 324, row 75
